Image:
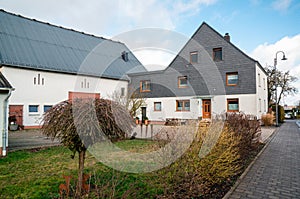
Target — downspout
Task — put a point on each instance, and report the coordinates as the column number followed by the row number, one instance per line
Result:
column 5, row 123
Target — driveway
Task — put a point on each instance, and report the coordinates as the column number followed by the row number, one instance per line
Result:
column 27, row 139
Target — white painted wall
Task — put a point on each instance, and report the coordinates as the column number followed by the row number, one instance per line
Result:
column 261, row 91
column 247, row 104
column 55, row 89
column 169, row 109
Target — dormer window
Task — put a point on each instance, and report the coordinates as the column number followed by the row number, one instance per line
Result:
column 125, row 56
column 217, row 54
column 194, row 57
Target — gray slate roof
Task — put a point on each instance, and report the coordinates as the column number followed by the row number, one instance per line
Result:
column 31, row 44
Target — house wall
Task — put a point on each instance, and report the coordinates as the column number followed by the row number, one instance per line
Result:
column 247, row 104
column 168, row 109
column 262, row 91
column 41, row 88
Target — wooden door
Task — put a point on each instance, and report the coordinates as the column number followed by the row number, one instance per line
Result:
column 206, row 108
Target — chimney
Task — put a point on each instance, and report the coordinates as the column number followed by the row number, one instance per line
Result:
column 227, row 37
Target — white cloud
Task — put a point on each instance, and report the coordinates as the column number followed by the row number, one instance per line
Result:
column 106, row 17
column 281, row 5
column 265, row 54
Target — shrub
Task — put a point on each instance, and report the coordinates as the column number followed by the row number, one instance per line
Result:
column 213, row 175
column 268, row 119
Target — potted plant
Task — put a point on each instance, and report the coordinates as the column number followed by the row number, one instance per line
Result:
column 137, row 120
column 146, row 120
column 13, row 126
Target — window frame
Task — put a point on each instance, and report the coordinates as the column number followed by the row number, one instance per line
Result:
column 122, row 94
column 229, row 74
column 47, row 105
column 148, row 83
column 34, row 112
column 183, row 105
column 191, row 54
column 157, row 110
column 214, row 54
column 179, row 80
column 231, row 100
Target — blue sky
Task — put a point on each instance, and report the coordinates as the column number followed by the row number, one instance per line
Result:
column 258, row 27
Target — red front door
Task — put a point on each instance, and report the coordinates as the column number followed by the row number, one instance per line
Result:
column 206, row 108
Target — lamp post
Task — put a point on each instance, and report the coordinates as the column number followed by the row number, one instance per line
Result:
column 275, row 64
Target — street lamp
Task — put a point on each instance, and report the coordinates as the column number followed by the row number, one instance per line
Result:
column 275, row 64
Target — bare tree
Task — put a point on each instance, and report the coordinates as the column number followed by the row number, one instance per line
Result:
column 133, row 100
column 81, row 123
column 283, row 80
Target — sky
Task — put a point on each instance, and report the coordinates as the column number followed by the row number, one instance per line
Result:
column 260, row 28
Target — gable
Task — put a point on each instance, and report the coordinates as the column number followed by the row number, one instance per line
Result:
column 207, row 76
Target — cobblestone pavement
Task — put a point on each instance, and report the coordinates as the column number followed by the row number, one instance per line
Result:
column 276, row 172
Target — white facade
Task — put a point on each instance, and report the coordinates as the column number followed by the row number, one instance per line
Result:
column 43, row 89
column 248, row 103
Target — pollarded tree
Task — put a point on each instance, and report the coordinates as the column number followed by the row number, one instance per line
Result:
column 81, row 123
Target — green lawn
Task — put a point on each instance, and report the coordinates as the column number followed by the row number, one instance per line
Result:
column 38, row 173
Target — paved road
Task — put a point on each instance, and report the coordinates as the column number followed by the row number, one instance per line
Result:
column 276, row 173
column 27, row 139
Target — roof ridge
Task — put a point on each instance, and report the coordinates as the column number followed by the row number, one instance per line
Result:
column 61, row 27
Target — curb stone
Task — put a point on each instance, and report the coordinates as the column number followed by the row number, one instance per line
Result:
column 242, row 176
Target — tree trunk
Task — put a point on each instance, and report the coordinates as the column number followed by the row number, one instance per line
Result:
column 80, row 173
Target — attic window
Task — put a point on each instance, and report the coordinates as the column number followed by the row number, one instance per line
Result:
column 194, row 57
column 125, row 56
column 217, row 54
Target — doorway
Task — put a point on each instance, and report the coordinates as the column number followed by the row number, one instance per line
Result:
column 144, row 114
column 206, row 108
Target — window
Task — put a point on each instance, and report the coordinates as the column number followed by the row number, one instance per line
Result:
column 259, row 83
column 232, row 105
column 122, row 92
column 183, row 105
column 217, row 54
column 264, row 83
column 182, row 82
column 232, row 79
column 157, row 106
column 259, row 104
column 145, row 86
column 265, row 106
column 33, row 108
column 194, row 57
column 47, row 107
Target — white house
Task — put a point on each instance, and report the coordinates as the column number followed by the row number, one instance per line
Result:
column 47, row 64
column 209, row 76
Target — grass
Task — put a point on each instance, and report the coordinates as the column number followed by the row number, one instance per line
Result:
column 38, row 173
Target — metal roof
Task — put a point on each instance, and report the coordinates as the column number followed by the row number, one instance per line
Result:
column 31, row 44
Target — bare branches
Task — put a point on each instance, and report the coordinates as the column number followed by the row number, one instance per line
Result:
column 281, row 80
